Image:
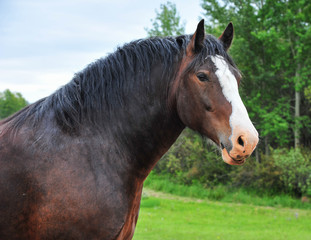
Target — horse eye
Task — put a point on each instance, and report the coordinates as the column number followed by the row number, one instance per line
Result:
column 202, row 77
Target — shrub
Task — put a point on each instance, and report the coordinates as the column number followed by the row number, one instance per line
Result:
column 295, row 165
column 191, row 159
column 263, row 177
column 284, row 171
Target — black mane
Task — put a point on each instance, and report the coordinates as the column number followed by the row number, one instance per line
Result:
column 104, row 84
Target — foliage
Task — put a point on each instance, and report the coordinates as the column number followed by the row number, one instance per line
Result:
column 271, row 47
column 263, row 177
column 191, row 160
column 10, row 103
column 307, row 93
column 284, row 171
column 167, row 22
column 295, row 166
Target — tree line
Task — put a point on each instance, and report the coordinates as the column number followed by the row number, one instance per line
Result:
column 271, row 47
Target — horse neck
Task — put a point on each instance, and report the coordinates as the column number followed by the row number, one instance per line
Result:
column 147, row 125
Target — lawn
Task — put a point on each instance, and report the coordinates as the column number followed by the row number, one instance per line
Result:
column 164, row 216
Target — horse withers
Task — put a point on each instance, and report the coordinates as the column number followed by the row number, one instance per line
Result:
column 72, row 165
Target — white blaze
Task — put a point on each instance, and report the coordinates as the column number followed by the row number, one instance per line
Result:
column 239, row 118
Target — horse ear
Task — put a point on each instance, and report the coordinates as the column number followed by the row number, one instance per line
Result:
column 197, row 41
column 227, row 36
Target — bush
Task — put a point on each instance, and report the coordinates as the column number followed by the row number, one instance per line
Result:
column 263, row 177
column 284, row 171
column 191, row 159
column 295, row 165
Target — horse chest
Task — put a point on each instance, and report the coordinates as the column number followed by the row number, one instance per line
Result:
column 64, row 203
column 84, row 219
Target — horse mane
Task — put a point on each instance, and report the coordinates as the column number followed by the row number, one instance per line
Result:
column 104, row 83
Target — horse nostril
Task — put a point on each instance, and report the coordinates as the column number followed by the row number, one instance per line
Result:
column 240, row 141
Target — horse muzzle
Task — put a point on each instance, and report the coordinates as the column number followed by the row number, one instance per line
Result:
column 242, row 147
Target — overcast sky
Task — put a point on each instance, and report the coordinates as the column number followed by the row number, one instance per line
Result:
column 44, row 42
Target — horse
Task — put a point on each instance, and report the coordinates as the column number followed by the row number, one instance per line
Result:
column 72, row 165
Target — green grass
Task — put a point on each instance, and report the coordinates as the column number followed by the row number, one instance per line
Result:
column 167, row 218
column 223, row 193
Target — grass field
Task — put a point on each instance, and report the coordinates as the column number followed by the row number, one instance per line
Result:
column 167, row 217
column 223, row 193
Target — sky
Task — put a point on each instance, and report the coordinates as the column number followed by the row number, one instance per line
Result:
column 43, row 43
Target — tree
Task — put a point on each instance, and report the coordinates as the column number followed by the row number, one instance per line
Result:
column 167, row 22
column 10, row 103
column 271, row 48
column 292, row 20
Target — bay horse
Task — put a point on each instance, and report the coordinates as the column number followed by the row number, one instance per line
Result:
column 72, row 165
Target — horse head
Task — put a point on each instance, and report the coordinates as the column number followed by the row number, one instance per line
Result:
column 207, row 96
